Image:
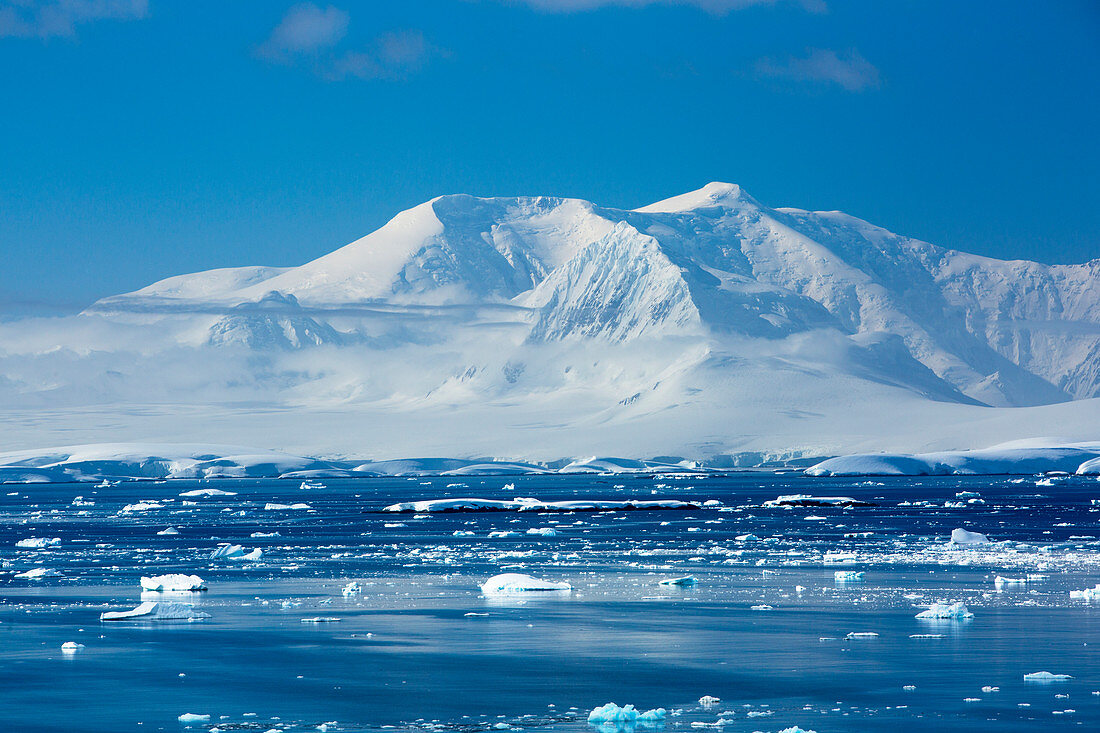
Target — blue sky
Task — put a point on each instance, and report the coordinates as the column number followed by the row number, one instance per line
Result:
column 144, row 139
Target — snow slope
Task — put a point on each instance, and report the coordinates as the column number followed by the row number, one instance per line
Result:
column 702, row 326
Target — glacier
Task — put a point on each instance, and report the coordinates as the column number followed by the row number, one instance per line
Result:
column 538, row 331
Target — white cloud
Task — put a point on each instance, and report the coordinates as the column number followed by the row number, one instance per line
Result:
column 49, row 18
column 712, row 6
column 312, row 35
column 849, row 70
column 305, row 29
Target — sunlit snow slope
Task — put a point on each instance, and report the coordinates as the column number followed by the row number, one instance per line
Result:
column 704, row 325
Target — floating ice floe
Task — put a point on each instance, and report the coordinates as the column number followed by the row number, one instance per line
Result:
column 686, row 580
column 320, row 620
column 141, row 506
column 612, row 714
column 534, row 505
column 945, row 611
column 862, row 635
column 156, row 611
column 38, row 543
column 71, row 646
column 173, row 582
column 235, row 552
column 543, row 531
column 1001, row 581
column 1088, row 594
column 960, row 536
column 848, row 576
column 1046, row 677
column 193, row 718
column 271, row 506
column 36, row 573
column 818, row 501
column 351, row 589
column 709, row 700
column 796, row 729
column 508, row 583
column 168, row 531
column 311, row 485
column 208, row 492
column 762, row 607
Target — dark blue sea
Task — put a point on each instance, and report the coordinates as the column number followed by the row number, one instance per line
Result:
column 765, row 628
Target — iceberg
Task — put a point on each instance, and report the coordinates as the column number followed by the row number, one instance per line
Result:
column 961, row 536
column 543, row 531
column 533, row 505
column 1088, row 594
column 168, row 531
column 612, row 714
column 271, row 506
column 37, row 573
column 508, row 583
column 173, row 582
column 848, row 576
column 71, row 646
column 235, row 552
column 38, row 543
column 156, row 611
column 193, row 718
column 1046, row 677
column 208, row 492
column 686, row 580
column 946, row 611
column 817, row 501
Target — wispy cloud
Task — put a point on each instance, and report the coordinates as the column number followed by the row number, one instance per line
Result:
column 711, row 6
column 305, row 29
column 848, row 70
column 312, row 35
column 51, row 18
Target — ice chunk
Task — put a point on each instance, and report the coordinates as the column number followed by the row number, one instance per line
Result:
column 193, row 718
column 37, row 543
column 1088, row 594
column 796, row 729
column 945, row 611
column 320, row 620
column 762, row 607
column 235, row 552
column 141, row 506
column 208, row 492
column 847, row 576
column 156, row 611
column 351, row 589
column 807, row 500
column 961, row 536
column 270, row 506
column 862, row 635
column 612, row 714
column 168, row 531
column 686, row 580
column 1001, row 582
column 526, row 504
column 543, row 531
column 37, row 573
column 71, row 646
column 709, row 700
column 507, row 583
column 173, row 582
column 1046, row 677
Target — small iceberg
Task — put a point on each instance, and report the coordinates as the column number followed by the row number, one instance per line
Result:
column 1001, row 581
column 1088, row 594
column 613, row 715
column 173, row 582
column 156, row 611
column 961, row 536
column 69, row 647
column 508, row 583
column 208, row 492
column 686, row 580
column 1046, row 677
column 946, row 611
column 817, row 501
column 320, row 620
column 235, row 552
column 543, row 531
column 862, row 635
column 352, row 589
column 527, row 504
column 193, row 718
column 38, row 543
column 311, row 485
column 848, row 576
column 37, row 573
column 168, row 531
column 273, row 507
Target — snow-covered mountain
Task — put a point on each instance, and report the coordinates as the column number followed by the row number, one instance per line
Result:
column 548, row 313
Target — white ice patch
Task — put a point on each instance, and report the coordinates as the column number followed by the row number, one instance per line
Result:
column 37, row 573
column 960, row 536
column 946, row 611
column 508, row 583
column 685, row 580
column 612, row 714
column 848, row 576
column 1046, row 677
column 38, row 543
column 816, row 501
column 173, row 582
column 534, row 505
column 156, row 611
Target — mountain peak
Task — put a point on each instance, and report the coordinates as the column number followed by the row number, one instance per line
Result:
column 715, row 193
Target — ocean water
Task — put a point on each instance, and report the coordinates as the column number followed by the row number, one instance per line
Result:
column 421, row 648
